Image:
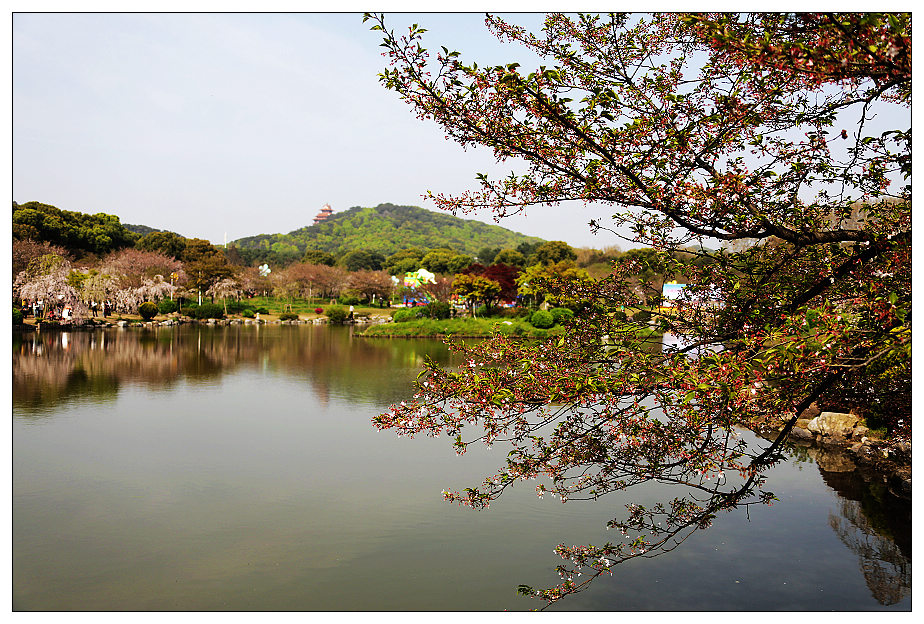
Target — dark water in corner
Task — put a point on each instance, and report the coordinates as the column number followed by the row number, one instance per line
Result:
column 236, row 468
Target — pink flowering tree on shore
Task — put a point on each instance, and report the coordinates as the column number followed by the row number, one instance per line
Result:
column 223, row 289
column 761, row 135
column 45, row 279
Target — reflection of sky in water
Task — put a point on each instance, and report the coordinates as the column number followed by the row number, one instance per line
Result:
column 235, row 469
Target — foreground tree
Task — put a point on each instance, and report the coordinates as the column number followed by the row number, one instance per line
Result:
column 754, row 130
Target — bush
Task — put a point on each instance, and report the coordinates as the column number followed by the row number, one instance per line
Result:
column 436, row 310
column 319, row 310
column 561, row 315
column 642, row 316
column 207, row 310
column 17, row 316
column 619, row 315
column 404, row 314
column 485, row 311
column 517, row 312
column 261, row 310
column 348, row 300
column 166, row 306
column 542, row 319
column 248, row 313
column 336, row 314
column 236, row 307
column 288, row 316
column 147, row 310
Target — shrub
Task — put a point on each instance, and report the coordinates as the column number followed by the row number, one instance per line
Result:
column 207, row 310
column 561, row 315
column 288, row 316
column 516, row 312
column 348, row 300
column 17, row 316
column 147, row 310
column 436, row 310
column 166, row 306
column 319, row 310
column 236, row 306
column 642, row 316
column 542, row 319
column 248, row 313
column 404, row 314
column 619, row 315
column 261, row 310
column 485, row 311
column 336, row 314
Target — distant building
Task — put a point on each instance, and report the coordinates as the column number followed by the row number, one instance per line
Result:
column 326, row 211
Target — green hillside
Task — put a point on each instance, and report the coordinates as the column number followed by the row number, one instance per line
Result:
column 78, row 232
column 387, row 229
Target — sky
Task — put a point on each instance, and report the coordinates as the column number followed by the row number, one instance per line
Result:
column 219, row 125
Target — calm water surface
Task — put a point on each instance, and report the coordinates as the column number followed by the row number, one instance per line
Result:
column 236, row 468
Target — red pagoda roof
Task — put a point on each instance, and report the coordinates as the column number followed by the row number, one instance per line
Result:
column 326, row 211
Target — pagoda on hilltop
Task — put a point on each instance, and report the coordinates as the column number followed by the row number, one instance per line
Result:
column 326, row 211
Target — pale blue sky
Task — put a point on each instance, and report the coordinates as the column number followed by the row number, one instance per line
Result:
column 243, row 124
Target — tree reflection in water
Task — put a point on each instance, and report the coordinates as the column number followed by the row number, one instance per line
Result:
column 51, row 368
column 885, row 567
column 870, row 521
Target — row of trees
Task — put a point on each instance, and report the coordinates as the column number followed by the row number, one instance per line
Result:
column 113, row 260
column 164, row 264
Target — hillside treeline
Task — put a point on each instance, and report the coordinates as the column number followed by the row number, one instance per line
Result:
column 385, row 229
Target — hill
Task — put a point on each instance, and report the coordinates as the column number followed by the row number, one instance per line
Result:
column 387, row 229
column 78, row 232
column 143, row 230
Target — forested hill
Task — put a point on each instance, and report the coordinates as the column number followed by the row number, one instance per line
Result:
column 387, row 229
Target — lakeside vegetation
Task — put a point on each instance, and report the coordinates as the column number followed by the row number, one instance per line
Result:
column 70, row 268
column 460, row 327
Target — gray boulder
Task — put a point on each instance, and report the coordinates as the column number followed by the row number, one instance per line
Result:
column 833, row 424
column 800, row 434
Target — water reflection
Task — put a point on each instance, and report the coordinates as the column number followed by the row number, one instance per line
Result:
column 53, row 368
column 869, row 520
column 873, row 524
column 242, row 461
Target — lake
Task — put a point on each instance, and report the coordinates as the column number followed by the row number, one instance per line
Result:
column 236, row 468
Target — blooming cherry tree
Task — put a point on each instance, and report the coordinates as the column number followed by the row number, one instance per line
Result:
column 754, row 134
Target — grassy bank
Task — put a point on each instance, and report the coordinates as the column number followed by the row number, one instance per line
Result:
column 462, row 327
